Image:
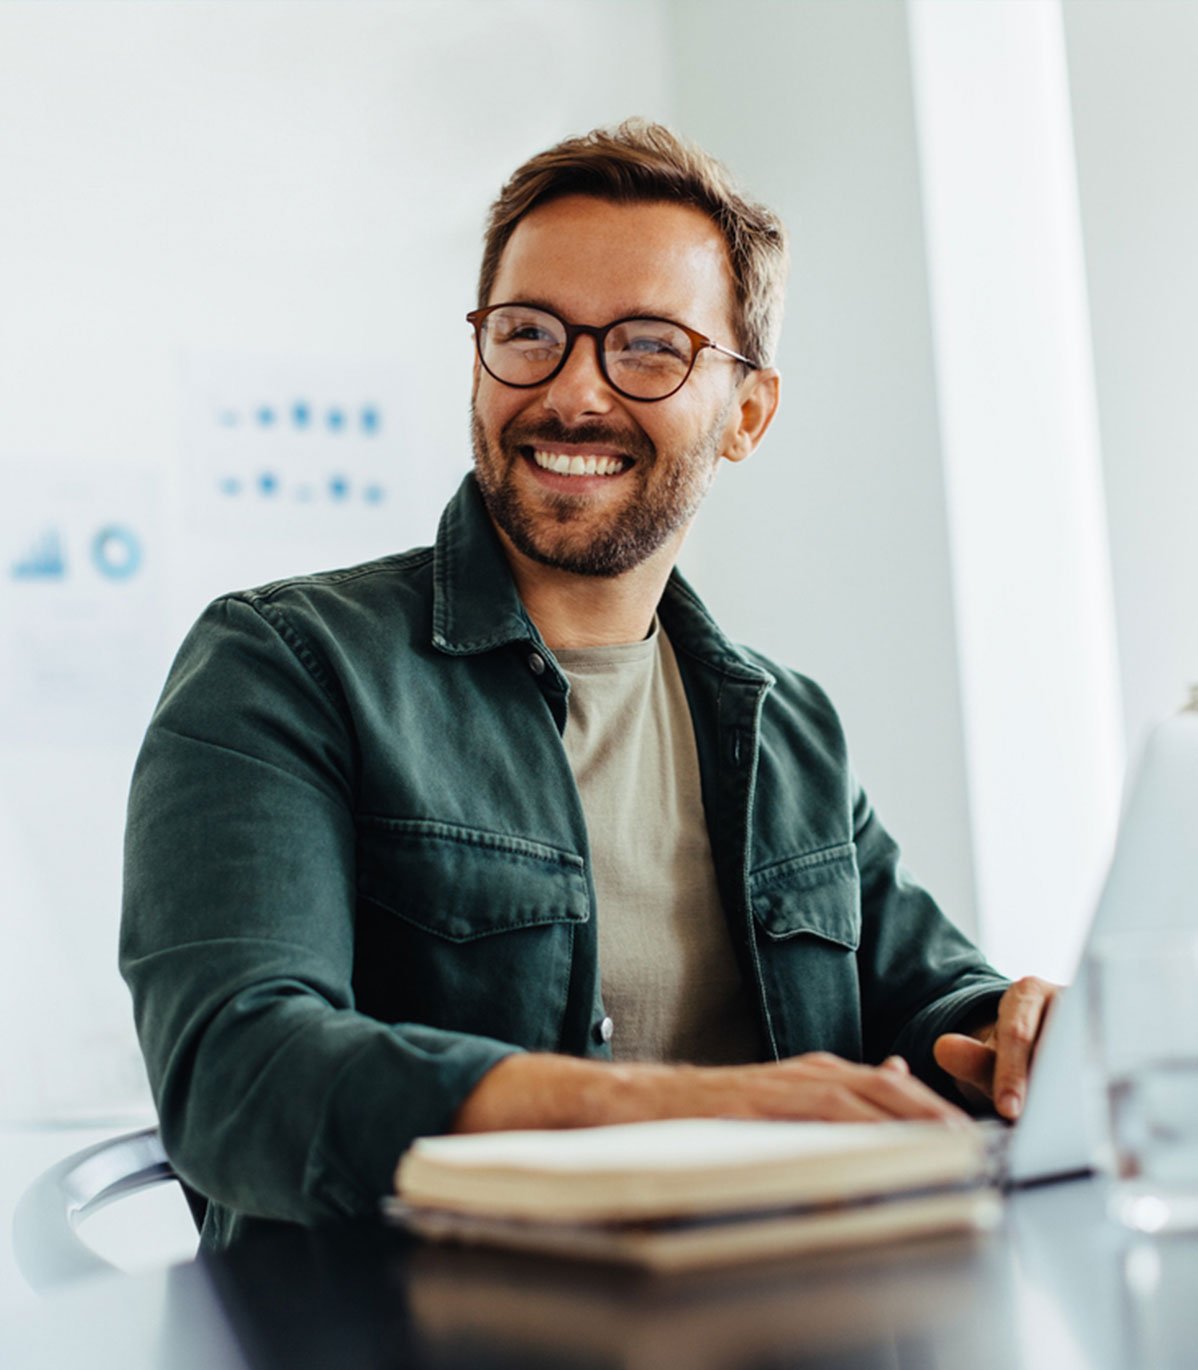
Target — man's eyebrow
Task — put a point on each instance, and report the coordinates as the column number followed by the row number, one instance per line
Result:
column 632, row 311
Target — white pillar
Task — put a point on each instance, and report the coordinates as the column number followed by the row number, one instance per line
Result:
column 1032, row 581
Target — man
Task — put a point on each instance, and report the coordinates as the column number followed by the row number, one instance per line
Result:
column 505, row 833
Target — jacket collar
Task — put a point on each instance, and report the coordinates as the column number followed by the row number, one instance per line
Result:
column 476, row 606
column 692, row 629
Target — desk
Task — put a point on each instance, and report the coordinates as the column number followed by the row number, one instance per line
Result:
column 1056, row 1288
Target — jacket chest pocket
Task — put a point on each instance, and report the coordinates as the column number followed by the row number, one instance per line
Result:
column 807, row 916
column 466, row 930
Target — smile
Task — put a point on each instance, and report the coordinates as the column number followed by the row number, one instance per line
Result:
column 565, row 464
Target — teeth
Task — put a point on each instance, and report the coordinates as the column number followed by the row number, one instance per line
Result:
column 563, row 465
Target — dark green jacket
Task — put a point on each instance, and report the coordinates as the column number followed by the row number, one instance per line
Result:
column 357, row 872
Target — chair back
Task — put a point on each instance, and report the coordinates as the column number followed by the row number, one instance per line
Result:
column 46, row 1243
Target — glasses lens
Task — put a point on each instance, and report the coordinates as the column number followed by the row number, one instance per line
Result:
column 647, row 358
column 520, row 345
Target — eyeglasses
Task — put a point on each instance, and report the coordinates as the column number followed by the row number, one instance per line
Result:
column 642, row 359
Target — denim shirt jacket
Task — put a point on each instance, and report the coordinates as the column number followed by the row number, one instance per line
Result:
column 357, row 873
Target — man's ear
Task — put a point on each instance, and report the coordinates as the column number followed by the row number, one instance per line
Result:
column 754, row 411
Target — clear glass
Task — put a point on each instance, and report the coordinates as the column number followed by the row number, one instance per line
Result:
column 1144, row 1026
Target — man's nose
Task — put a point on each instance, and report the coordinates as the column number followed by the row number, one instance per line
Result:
column 579, row 388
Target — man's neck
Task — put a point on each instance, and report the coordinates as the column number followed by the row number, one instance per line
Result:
column 591, row 611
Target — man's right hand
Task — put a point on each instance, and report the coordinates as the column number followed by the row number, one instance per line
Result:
column 546, row 1091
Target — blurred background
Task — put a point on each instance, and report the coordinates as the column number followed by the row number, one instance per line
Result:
column 237, row 241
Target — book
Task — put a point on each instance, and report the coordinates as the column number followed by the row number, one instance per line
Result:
column 685, row 1193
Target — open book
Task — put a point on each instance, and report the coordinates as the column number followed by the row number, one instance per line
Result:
column 692, row 1192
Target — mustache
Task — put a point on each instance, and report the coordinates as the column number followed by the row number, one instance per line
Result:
column 549, row 430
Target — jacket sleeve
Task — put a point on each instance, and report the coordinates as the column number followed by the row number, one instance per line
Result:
column 275, row 1097
column 920, row 975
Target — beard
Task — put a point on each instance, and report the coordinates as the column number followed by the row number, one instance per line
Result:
column 665, row 498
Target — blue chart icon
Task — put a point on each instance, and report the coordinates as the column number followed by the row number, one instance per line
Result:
column 303, row 416
column 116, row 552
column 43, row 561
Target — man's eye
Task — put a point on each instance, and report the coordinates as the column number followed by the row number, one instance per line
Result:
column 651, row 347
column 649, row 352
column 526, row 333
column 648, row 343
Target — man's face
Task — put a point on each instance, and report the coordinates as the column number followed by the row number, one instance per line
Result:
column 591, row 261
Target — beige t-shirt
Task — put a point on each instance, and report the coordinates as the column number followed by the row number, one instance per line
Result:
column 670, row 981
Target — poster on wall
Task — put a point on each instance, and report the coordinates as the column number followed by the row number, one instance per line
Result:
column 83, row 601
column 304, row 451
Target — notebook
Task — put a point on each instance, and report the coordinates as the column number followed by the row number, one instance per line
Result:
column 691, row 1192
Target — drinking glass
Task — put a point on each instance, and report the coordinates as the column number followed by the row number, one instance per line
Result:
column 1144, row 1028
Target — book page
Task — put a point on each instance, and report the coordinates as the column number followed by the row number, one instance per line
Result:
column 678, row 1143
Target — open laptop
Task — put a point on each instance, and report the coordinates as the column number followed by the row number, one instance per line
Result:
column 1152, row 887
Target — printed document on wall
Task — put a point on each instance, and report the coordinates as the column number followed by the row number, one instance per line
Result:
column 82, row 607
column 317, row 453
column 82, row 617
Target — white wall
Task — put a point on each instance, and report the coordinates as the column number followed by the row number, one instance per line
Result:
column 829, row 549
column 1015, row 379
column 1135, row 111
column 275, row 184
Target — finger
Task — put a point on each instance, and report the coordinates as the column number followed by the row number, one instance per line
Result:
column 796, row 1089
column 967, row 1060
column 889, row 1088
column 820, row 1085
column 902, row 1096
column 824, row 1087
column 1021, row 1013
column 841, row 1103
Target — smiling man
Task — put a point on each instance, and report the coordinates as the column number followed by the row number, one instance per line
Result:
column 505, row 832
column 621, row 397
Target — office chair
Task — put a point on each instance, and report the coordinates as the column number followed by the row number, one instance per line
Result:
column 48, row 1249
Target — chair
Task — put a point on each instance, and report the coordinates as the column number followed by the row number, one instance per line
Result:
column 46, row 1243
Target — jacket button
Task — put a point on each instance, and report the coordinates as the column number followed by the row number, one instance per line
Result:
column 536, row 664
column 604, row 1030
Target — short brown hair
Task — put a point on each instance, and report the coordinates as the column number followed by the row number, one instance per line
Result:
column 638, row 161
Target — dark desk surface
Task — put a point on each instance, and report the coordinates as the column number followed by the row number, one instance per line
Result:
column 1057, row 1287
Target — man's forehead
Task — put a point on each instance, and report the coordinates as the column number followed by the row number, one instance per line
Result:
column 654, row 257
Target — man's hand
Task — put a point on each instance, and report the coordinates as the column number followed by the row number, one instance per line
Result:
column 819, row 1086
column 543, row 1091
column 993, row 1062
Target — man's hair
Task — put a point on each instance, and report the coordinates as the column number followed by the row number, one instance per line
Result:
column 639, row 162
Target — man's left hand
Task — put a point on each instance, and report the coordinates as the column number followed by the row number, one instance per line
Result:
column 994, row 1060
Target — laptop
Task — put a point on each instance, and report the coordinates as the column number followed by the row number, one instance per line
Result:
column 1151, row 888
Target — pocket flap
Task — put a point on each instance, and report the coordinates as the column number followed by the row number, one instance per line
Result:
column 462, row 883
column 818, row 894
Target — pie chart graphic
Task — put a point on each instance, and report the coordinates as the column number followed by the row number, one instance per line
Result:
column 116, row 552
